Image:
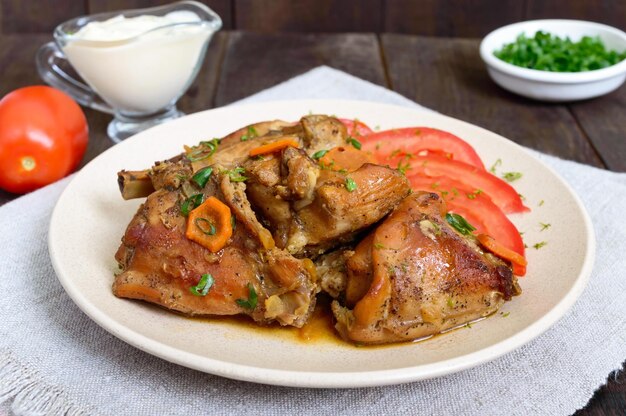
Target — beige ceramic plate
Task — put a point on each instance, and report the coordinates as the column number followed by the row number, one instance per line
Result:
column 90, row 218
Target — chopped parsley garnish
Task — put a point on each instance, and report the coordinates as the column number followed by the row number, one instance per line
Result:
column 450, row 303
column 547, row 52
column 350, row 185
column 539, row 245
column 459, row 223
column 202, row 176
column 319, row 154
column 190, row 203
column 504, row 315
column 354, row 142
column 205, row 226
column 249, row 303
column 474, row 194
column 544, row 226
column 203, row 286
column 403, row 168
column 493, row 167
column 511, row 176
column 233, row 222
column 541, row 202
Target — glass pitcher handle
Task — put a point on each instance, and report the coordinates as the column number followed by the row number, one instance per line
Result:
column 50, row 62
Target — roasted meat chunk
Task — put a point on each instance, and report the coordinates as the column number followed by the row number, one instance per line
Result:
column 311, row 209
column 160, row 265
column 416, row 276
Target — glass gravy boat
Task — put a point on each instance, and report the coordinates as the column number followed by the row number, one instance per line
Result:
column 139, row 78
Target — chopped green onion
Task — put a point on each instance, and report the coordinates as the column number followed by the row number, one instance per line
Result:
column 251, row 302
column 190, row 203
column 539, row 245
column 251, row 134
column 233, row 222
column 203, row 286
column 202, row 176
column 236, row 175
column 459, row 223
column 354, row 142
column 319, row 154
column 544, row 226
column 203, row 223
column 350, row 185
column 201, row 152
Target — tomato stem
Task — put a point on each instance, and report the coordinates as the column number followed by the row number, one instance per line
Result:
column 28, row 163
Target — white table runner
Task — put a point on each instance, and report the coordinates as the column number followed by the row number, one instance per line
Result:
column 55, row 360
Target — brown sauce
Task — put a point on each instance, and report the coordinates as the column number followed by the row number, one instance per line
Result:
column 320, row 328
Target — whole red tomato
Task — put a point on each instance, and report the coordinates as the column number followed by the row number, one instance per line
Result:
column 43, row 136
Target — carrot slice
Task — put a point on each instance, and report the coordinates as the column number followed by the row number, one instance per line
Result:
column 273, row 147
column 348, row 158
column 496, row 248
column 210, row 225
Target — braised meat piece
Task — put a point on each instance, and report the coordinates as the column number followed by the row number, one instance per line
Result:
column 416, row 276
column 311, row 209
column 160, row 265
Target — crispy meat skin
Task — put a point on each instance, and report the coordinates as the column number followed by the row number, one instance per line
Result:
column 415, row 276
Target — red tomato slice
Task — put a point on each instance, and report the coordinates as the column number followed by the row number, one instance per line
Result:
column 501, row 193
column 356, row 128
column 397, row 144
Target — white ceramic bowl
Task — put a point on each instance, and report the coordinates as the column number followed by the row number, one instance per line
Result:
column 554, row 86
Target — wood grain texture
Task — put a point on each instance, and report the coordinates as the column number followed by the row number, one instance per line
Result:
column 222, row 7
column 604, row 122
column 270, row 16
column 38, row 16
column 610, row 399
column 454, row 18
column 610, row 12
column 461, row 88
column 257, row 61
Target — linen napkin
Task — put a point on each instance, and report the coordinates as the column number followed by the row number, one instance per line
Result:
column 55, row 360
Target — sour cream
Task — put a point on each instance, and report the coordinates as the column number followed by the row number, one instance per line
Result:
column 141, row 64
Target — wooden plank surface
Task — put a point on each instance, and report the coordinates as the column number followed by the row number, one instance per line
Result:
column 451, row 18
column 270, row 16
column 27, row 16
column 603, row 120
column 257, row 61
column 449, row 76
column 610, row 12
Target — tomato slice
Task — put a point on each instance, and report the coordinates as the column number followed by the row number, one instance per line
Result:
column 397, row 144
column 356, row 128
column 477, row 209
column 501, row 193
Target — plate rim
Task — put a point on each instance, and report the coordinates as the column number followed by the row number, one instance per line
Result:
column 325, row 379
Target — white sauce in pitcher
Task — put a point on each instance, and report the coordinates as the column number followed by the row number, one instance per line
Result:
column 135, row 66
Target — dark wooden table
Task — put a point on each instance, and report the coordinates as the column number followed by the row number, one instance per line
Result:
column 446, row 75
